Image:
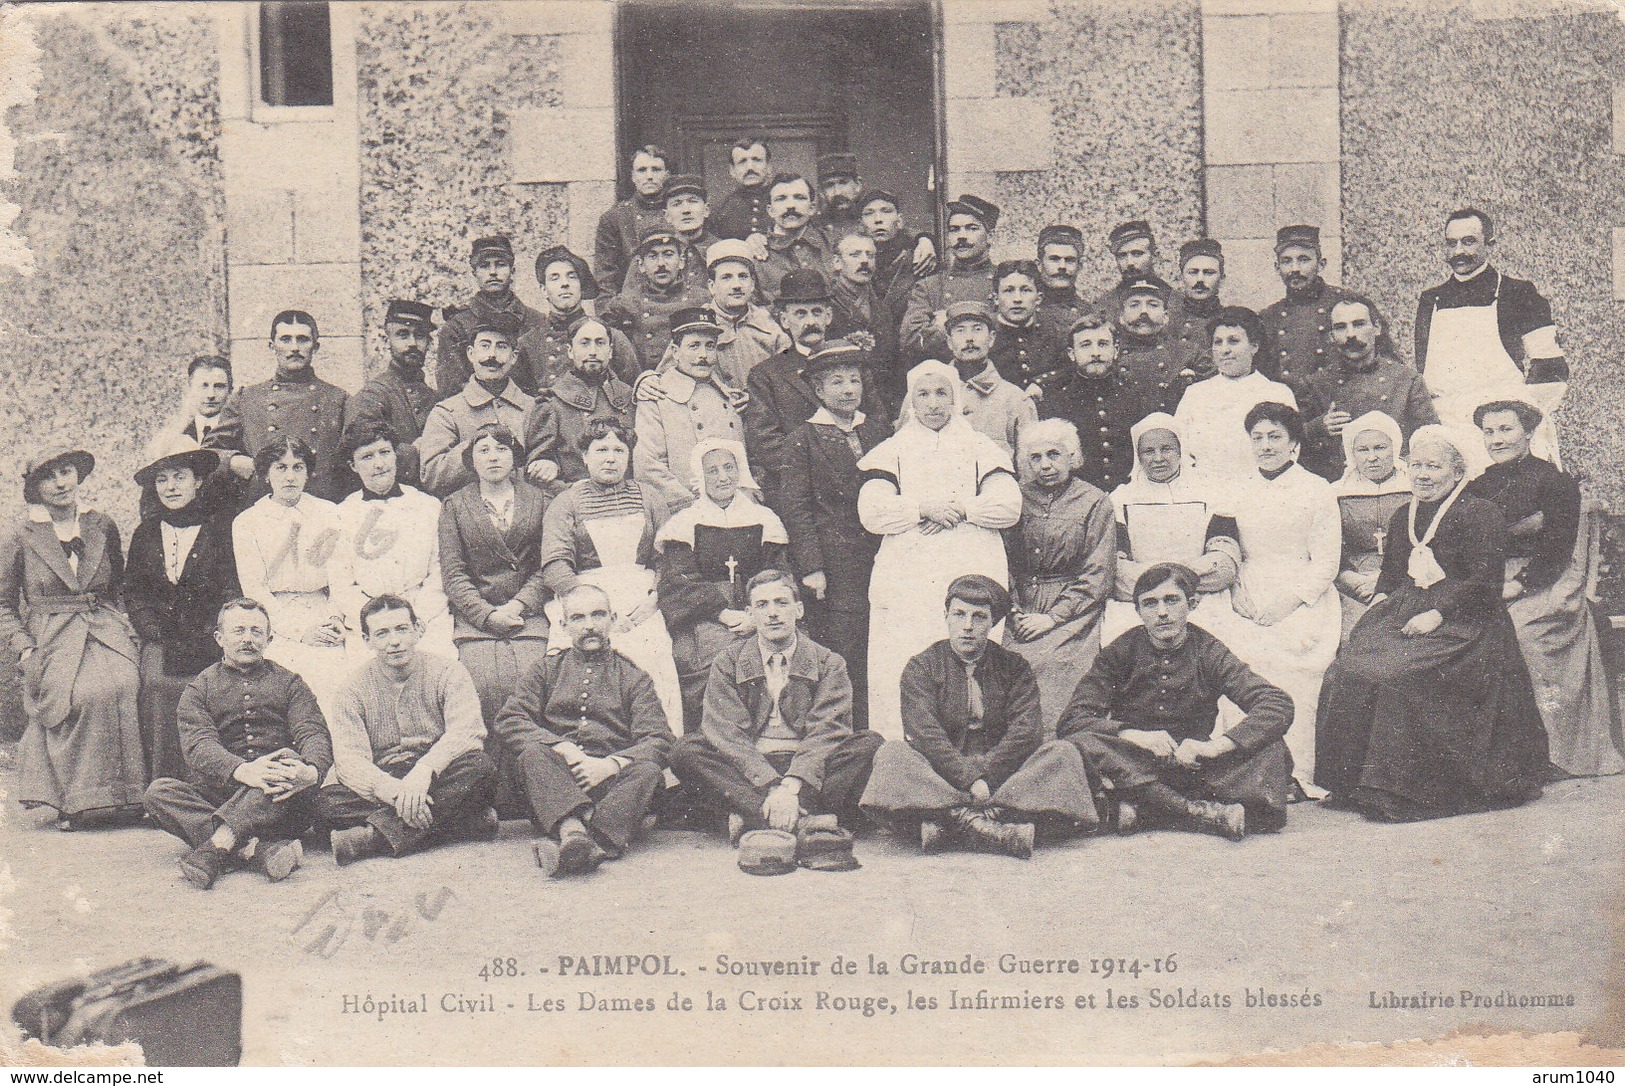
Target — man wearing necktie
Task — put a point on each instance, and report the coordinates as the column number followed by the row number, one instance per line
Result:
column 975, row 770
column 776, row 742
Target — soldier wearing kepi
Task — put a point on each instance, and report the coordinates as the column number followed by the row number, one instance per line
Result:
column 992, row 405
column 399, row 398
column 621, row 226
column 1196, row 297
column 689, row 213
column 1135, row 250
column 968, row 278
column 1295, row 327
column 1059, row 249
column 565, row 283
column 492, row 261
column 1157, row 365
column 256, row 747
column 293, row 403
column 589, row 738
column 655, row 289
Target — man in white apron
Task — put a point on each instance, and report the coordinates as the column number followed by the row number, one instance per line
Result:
column 1483, row 336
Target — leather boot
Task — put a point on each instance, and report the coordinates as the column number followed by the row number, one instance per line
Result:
column 1005, row 838
column 1228, row 820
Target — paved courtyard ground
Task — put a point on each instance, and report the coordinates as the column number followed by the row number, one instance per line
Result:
column 381, row 962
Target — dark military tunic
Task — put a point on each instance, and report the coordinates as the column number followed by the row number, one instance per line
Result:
column 1159, row 367
column 451, row 368
column 1187, row 323
column 644, row 315
column 616, row 242
column 810, row 248
column 1031, row 354
column 743, row 212
column 1385, row 385
column 1295, row 328
column 305, row 407
column 1104, row 409
column 959, row 283
column 545, row 351
column 401, row 401
column 555, row 422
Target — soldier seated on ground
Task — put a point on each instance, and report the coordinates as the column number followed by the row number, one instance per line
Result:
column 975, row 770
column 1144, row 715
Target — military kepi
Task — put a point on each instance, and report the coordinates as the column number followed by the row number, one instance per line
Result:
column 1147, row 284
column 837, row 167
column 496, row 243
column 1308, row 236
column 404, row 312
column 984, row 211
column 1200, row 247
column 694, row 319
column 1125, row 232
column 501, row 322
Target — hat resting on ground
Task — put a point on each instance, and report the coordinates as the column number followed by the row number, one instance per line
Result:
column 825, row 848
column 561, row 254
column 177, row 451
column 767, row 852
column 405, row 312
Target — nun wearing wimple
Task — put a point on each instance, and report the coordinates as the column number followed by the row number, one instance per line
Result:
column 1429, row 711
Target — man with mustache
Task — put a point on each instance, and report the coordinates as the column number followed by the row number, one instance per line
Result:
column 1295, row 327
column 557, row 420
column 796, row 241
column 968, row 278
column 492, row 261
column 565, row 283
column 841, row 205
column 1135, row 250
column 655, row 289
column 489, row 396
column 1059, row 249
column 1157, row 365
column 688, row 213
column 689, row 402
column 1360, row 379
column 991, row 404
column 293, row 403
column 621, row 226
column 1482, row 334
column 743, row 212
column 1095, row 395
column 399, row 398
column 781, row 396
column 750, row 336
column 1196, row 297
column 590, row 740
column 861, row 313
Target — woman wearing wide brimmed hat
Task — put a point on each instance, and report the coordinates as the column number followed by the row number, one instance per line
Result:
column 61, row 570
column 180, row 570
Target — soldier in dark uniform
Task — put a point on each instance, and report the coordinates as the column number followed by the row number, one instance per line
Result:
column 655, row 289
column 1295, row 327
column 831, row 551
column 862, row 314
column 968, row 278
column 743, row 211
column 842, row 202
column 293, row 403
column 555, row 422
column 492, row 261
column 1059, row 250
column 1029, row 345
column 795, row 241
column 1196, row 299
column 399, row 398
column 544, row 349
column 1096, row 396
column 897, row 263
column 688, row 213
column 1135, row 251
column 621, row 226
column 1158, row 365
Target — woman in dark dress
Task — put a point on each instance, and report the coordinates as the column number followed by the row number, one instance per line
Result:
column 1545, row 591
column 1429, row 711
column 708, row 552
column 180, row 570
column 61, row 574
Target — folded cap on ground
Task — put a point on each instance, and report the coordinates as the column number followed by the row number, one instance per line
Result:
column 767, row 852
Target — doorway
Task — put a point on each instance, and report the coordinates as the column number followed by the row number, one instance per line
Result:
column 809, row 76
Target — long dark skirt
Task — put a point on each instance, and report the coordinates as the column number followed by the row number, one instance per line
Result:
column 160, row 700
column 496, row 666
column 1423, row 727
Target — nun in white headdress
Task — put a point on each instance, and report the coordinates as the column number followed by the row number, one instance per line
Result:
column 1429, row 709
column 1374, row 484
column 938, row 493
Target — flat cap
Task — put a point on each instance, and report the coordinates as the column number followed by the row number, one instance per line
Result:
column 879, row 194
column 1060, row 234
column 685, row 184
column 837, row 167
column 1125, row 232
column 1298, row 235
column 985, row 211
column 1200, row 247
column 405, row 312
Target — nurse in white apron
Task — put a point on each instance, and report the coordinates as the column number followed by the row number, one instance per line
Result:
column 601, row 531
column 1468, row 365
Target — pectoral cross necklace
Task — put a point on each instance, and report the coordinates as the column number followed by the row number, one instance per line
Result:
column 1381, row 535
column 733, row 568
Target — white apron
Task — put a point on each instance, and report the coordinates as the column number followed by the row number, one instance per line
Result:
column 1468, row 366
column 628, row 585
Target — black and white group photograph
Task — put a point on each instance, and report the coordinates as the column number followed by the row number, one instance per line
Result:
column 812, row 532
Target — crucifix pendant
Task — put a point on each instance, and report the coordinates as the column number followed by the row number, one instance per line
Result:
column 1381, row 535
column 733, row 569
